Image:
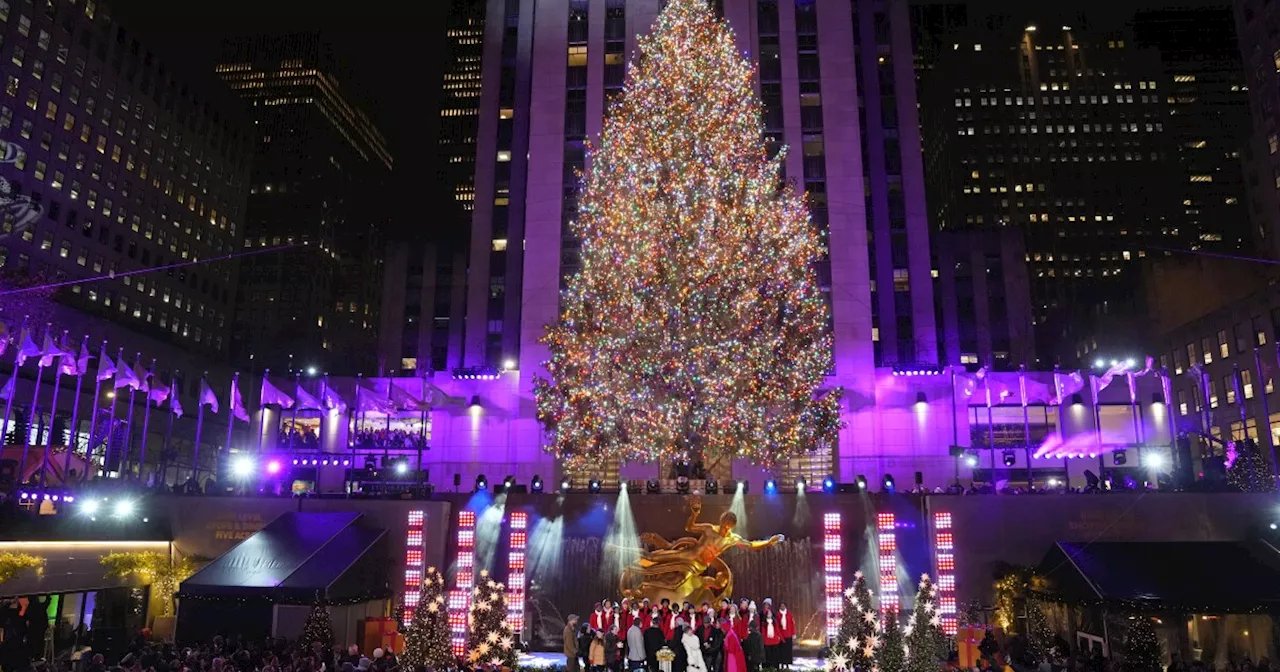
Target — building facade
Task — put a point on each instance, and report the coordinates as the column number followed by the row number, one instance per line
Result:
column 1065, row 135
column 1260, row 53
column 984, row 300
column 114, row 164
column 423, row 298
column 315, row 200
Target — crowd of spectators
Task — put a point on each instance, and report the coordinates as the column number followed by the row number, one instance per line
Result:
column 219, row 655
column 389, row 438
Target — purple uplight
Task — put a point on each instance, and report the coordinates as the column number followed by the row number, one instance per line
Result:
column 273, row 467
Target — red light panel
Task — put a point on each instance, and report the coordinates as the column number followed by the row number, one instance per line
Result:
column 944, row 569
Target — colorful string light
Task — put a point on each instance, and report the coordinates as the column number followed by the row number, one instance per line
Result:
column 463, row 581
column 944, row 560
column 696, row 325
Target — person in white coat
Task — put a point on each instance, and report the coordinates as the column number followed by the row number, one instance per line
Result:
column 693, row 649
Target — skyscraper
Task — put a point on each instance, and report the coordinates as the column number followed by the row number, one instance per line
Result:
column 113, row 163
column 319, row 170
column 547, row 79
column 1260, row 53
column 1063, row 133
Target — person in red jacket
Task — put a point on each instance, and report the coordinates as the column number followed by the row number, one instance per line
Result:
column 624, row 617
column 772, row 633
column 667, row 619
column 738, row 621
column 723, row 610
column 786, row 647
column 599, row 619
column 646, row 612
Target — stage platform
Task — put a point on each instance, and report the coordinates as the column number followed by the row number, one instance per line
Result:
column 542, row 660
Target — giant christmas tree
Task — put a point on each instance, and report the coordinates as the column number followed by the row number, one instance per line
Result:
column 925, row 644
column 696, row 325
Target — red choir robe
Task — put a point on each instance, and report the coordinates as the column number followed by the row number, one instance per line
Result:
column 739, row 624
column 770, row 638
column 668, row 624
column 786, row 620
column 600, row 620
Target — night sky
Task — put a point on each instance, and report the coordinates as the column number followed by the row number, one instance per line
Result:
column 393, row 58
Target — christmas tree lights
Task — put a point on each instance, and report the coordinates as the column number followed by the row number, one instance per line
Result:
column 319, row 625
column 490, row 641
column 426, row 640
column 925, row 644
column 696, row 326
column 1142, row 652
column 854, row 646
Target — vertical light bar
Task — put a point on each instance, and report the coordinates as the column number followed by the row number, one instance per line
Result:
column 412, row 563
column 887, row 549
column 833, row 570
column 517, row 543
column 464, row 581
column 944, row 559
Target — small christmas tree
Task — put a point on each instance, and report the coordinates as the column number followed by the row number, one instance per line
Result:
column 1141, row 648
column 971, row 615
column 426, row 638
column 1039, row 635
column 490, row 642
column 890, row 655
column 925, row 643
column 319, row 626
column 1248, row 470
column 854, row 646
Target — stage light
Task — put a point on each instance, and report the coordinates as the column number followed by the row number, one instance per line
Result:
column 945, row 570
column 886, row 552
column 1120, row 458
column 295, row 461
column 122, row 509
column 828, row 484
column 459, row 601
column 565, row 485
column 1010, row 458
column 370, row 463
column 713, row 486
column 888, row 483
column 508, row 483
column 862, row 483
column 970, row 459
column 1129, row 363
column 1272, row 526
column 311, row 371
column 1077, row 400
column 90, row 507
column 833, row 570
column 481, row 483
column 475, row 403
column 273, row 467
column 1099, row 363
column 1053, row 482
column 509, row 364
column 402, row 468
column 921, row 400
column 242, row 467
column 517, row 545
column 770, row 487
column 413, row 562
column 593, row 486
column 801, row 484
column 536, row 484
column 1155, row 461
column 682, row 485
column 652, row 486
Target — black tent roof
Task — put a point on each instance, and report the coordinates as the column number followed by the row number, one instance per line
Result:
column 297, row 556
column 1200, row 577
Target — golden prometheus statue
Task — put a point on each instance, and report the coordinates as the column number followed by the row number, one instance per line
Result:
column 688, row 569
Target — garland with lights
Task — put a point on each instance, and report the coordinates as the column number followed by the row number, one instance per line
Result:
column 490, row 642
column 1014, row 583
column 696, row 326
column 164, row 574
column 854, row 646
column 925, row 645
column 1040, row 636
column 426, row 638
column 11, row 564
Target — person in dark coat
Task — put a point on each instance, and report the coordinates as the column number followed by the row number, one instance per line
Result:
column 677, row 647
column 584, row 645
column 612, row 648
column 653, row 640
column 712, row 642
column 753, row 647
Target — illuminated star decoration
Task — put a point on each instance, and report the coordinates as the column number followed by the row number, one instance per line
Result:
column 838, row 662
column 696, row 323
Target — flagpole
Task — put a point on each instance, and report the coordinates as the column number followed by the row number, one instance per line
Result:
column 93, row 416
column 1266, row 411
column 146, row 422
column 1166, row 389
column 168, row 430
column 111, row 417
column 1057, row 392
column 231, row 421
column 297, row 383
column 8, row 404
column 1097, row 426
column 262, row 410
column 75, row 411
column 128, row 424
column 53, row 414
column 31, row 417
column 1026, row 424
column 195, row 456
column 1135, row 414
